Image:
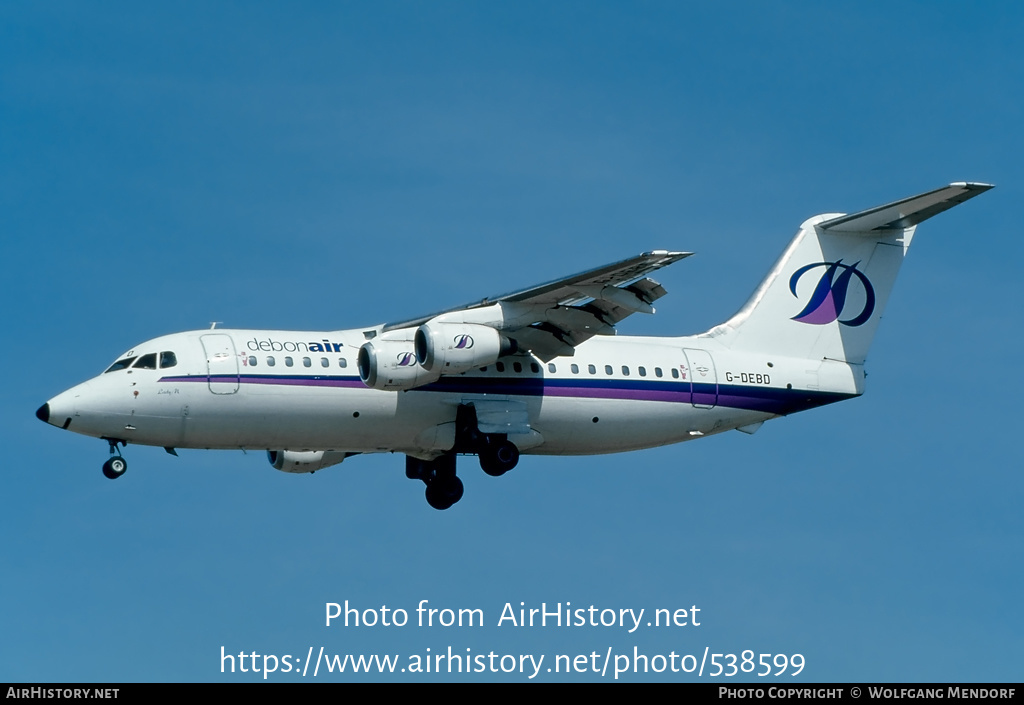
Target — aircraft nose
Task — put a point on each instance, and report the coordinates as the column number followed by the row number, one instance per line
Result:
column 59, row 410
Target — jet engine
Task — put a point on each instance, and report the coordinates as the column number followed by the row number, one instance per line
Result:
column 391, row 365
column 304, row 460
column 454, row 348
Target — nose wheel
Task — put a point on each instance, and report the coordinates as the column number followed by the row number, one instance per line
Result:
column 116, row 465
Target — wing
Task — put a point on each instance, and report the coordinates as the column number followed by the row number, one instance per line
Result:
column 551, row 319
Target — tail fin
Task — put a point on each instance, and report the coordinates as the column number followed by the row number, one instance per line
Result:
column 824, row 297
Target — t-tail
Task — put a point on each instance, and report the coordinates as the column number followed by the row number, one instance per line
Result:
column 823, row 299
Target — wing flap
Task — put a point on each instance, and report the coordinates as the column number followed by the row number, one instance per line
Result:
column 546, row 341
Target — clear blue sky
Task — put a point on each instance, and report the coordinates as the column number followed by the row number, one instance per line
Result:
column 322, row 166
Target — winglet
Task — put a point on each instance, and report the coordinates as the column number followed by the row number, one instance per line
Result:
column 907, row 212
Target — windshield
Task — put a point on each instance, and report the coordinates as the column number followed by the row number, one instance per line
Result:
column 148, row 361
column 120, row 364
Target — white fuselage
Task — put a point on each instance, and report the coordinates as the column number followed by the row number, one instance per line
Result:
column 299, row 391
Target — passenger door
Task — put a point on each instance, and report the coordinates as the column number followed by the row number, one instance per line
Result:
column 221, row 362
column 703, row 378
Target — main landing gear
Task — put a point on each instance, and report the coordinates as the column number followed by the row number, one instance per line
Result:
column 497, row 456
column 444, row 488
column 116, row 465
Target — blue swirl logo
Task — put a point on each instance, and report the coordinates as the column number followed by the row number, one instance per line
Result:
column 829, row 297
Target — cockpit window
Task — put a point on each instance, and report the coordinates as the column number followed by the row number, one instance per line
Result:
column 168, row 359
column 120, row 364
column 146, row 362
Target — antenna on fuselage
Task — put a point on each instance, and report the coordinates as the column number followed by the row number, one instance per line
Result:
column 213, row 324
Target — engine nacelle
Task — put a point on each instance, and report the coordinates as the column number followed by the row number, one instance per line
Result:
column 454, row 348
column 304, row 460
column 391, row 365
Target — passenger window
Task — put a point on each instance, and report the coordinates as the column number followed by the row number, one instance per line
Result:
column 499, row 366
column 551, row 367
column 607, row 369
column 168, row 359
column 146, row 362
column 288, row 362
column 642, row 371
column 342, row 362
column 517, row 367
column 324, row 362
column 591, row 369
column 625, row 371
column 536, row 368
column 657, row 372
column 121, row 364
column 252, row 361
column 675, row 373
column 306, row 362
column 575, row 368
column 270, row 361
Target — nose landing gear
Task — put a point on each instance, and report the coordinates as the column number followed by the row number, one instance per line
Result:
column 116, row 465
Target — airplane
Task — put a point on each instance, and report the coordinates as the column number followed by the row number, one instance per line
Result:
column 536, row 371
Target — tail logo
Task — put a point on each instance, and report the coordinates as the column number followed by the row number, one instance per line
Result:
column 829, row 297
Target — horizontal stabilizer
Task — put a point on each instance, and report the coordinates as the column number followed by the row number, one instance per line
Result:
column 908, row 212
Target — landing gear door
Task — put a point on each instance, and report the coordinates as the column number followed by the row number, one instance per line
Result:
column 222, row 363
column 501, row 416
column 703, row 379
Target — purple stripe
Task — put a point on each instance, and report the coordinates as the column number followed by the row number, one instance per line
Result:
column 751, row 403
column 766, row 399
